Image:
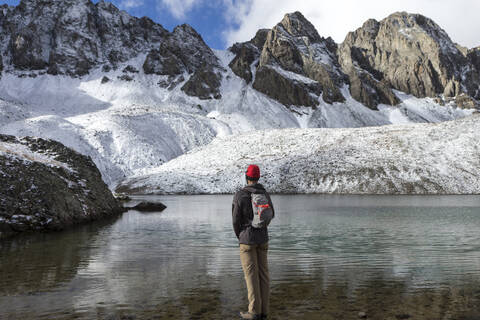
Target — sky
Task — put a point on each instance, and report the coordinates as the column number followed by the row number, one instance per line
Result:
column 224, row 22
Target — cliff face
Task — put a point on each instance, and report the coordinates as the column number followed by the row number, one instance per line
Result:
column 295, row 46
column 409, row 53
column 47, row 186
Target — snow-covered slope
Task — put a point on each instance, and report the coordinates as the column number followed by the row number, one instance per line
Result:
column 412, row 158
column 131, row 127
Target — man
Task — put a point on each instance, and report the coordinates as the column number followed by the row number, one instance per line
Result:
column 252, row 234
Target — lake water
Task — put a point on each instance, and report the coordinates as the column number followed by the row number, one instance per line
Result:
column 331, row 257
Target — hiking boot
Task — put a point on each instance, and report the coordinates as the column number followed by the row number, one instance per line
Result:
column 250, row 316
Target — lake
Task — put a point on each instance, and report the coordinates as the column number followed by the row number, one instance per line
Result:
column 331, row 257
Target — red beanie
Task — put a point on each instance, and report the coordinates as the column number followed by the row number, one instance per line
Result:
column 253, row 172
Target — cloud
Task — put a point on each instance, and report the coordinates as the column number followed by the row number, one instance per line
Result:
column 336, row 18
column 129, row 4
column 179, row 8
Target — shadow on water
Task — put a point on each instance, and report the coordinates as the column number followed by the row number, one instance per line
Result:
column 33, row 263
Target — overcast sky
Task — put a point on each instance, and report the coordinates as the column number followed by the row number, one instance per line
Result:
column 223, row 22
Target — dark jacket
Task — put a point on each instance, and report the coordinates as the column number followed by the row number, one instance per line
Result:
column 242, row 214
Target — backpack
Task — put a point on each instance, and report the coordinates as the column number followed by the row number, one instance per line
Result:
column 262, row 212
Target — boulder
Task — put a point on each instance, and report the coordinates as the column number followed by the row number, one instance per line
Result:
column 47, row 186
column 149, row 206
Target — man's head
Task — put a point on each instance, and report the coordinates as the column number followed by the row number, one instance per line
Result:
column 252, row 174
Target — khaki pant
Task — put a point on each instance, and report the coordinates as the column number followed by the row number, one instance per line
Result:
column 255, row 268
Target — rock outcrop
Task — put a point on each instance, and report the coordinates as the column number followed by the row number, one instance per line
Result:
column 47, row 186
column 246, row 54
column 295, row 46
column 474, row 57
column 406, row 52
column 184, row 51
column 204, row 83
column 287, row 88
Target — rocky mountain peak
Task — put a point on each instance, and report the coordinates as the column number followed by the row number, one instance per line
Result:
column 412, row 26
column 186, row 30
column 297, row 66
column 406, row 52
column 298, row 26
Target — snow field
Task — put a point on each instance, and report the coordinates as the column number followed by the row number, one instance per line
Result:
column 414, row 158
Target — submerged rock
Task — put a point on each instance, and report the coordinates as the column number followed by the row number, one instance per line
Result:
column 47, row 186
column 149, row 206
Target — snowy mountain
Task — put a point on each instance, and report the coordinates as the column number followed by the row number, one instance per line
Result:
column 134, row 96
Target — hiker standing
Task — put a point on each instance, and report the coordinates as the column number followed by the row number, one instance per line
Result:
column 252, row 210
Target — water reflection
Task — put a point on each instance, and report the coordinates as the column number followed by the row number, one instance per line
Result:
column 34, row 263
column 331, row 257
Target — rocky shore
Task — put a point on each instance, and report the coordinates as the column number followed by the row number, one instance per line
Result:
column 47, row 186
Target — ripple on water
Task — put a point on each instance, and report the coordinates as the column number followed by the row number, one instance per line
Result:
column 186, row 259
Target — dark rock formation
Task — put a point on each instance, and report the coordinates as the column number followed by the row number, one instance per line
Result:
column 162, row 62
column 130, row 69
column 184, row 51
column 149, row 206
column 407, row 52
column 241, row 64
column 246, row 54
column 474, row 57
column 370, row 91
column 294, row 45
column 125, row 77
column 47, row 186
column 285, row 90
column 204, row 83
